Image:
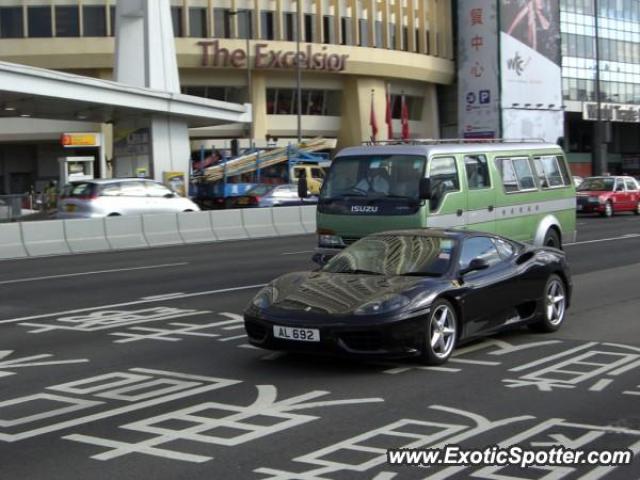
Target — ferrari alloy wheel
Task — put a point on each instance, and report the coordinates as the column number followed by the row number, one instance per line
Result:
column 555, row 305
column 441, row 333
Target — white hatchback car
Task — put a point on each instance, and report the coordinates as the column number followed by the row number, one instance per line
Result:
column 119, row 196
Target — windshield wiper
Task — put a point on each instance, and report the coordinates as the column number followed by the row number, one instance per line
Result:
column 358, row 271
column 420, row 274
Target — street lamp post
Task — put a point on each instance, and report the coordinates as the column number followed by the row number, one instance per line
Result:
column 599, row 144
column 298, row 71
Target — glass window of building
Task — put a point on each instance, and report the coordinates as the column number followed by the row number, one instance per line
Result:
column 244, row 24
column 309, row 27
column 112, row 16
column 221, row 23
column 289, row 26
column 67, row 21
column 94, row 21
column 328, row 33
column 378, row 35
column 176, row 19
column 11, row 22
column 267, row 31
column 283, row 101
column 392, row 36
column 345, row 24
column 39, row 21
column 363, row 30
column 197, row 22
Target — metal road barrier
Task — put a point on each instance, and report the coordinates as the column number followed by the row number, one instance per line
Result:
column 59, row 237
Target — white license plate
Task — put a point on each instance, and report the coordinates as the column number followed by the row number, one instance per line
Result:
column 297, row 334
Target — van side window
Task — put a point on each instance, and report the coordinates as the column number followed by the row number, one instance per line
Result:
column 516, row 174
column 477, row 171
column 549, row 172
column 443, row 172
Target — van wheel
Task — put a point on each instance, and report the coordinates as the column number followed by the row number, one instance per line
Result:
column 552, row 239
column 608, row 210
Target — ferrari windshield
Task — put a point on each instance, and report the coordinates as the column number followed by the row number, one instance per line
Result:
column 395, row 255
column 374, row 176
column 597, row 185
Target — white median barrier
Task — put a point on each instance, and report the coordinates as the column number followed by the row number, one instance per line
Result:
column 11, row 241
column 86, row 235
column 287, row 221
column 125, row 232
column 227, row 224
column 258, row 222
column 308, row 218
column 195, row 227
column 161, row 229
column 44, row 238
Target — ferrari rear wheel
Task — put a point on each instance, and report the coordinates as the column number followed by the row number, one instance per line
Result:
column 440, row 333
column 555, row 305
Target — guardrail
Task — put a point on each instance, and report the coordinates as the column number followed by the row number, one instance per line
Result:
column 59, row 237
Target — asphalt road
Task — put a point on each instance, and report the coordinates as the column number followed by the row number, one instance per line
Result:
column 134, row 365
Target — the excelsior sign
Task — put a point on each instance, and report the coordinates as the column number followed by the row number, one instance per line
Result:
column 213, row 55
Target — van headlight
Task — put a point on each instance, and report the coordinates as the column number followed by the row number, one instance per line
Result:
column 385, row 304
column 264, row 298
column 330, row 241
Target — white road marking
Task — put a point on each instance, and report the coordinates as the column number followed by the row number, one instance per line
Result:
column 158, row 298
column 297, row 253
column 610, row 239
column 95, row 272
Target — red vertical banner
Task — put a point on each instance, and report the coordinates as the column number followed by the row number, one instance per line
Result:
column 404, row 120
column 372, row 121
column 388, row 118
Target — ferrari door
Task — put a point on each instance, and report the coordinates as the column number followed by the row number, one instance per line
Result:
column 489, row 298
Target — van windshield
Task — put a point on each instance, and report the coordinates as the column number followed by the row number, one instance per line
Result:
column 374, row 176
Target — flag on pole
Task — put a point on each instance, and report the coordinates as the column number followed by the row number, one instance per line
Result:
column 404, row 119
column 372, row 121
column 388, row 114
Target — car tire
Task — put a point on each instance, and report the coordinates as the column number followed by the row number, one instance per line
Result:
column 555, row 306
column 440, row 334
column 608, row 210
column 637, row 210
column 552, row 239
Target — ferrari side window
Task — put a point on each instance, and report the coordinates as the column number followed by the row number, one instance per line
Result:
column 505, row 249
column 479, row 247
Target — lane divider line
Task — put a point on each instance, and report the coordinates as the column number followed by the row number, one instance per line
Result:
column 136, row 302
column 95, row 272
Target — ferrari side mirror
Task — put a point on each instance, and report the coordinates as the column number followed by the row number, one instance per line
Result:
column 475, row 265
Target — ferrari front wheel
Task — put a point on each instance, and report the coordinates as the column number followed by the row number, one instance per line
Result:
column 555, row 305
column 440, row 333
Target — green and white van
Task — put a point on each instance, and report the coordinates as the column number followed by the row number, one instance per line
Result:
column 523, row 191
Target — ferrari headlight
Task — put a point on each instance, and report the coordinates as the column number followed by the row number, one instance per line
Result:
column 385, row 304
column 264, row 297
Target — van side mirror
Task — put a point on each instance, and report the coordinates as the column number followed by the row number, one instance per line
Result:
column 475, row 265
column 303, row 188
column 425, row 188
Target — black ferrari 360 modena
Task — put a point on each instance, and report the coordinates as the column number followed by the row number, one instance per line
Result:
column 412, row 293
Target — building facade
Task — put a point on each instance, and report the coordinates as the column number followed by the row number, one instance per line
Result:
column 245, row 51
column 618, row 52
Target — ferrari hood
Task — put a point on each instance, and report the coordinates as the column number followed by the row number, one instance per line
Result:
column 336, row 293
